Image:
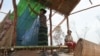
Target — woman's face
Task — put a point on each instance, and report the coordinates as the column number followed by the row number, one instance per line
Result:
column 41, row 12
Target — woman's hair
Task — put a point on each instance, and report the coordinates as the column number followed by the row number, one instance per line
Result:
column 69, row 31
column 44, row 11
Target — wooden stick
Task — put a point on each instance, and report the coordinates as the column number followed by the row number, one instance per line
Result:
column 90, row 1
column 33, row 47
column 85, row 9
column 1, row 4
column 14, row 22
column 67, row 20
column 50, row 15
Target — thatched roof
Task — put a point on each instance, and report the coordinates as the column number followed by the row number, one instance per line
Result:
column 62, row 6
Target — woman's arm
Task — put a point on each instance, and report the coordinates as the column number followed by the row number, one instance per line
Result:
column 32, row 9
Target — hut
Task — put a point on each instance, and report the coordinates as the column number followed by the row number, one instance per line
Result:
column 22, row 14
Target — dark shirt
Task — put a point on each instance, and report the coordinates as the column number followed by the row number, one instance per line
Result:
column 43, row 20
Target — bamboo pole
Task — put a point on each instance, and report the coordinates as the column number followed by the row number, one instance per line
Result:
column 50, row 15
column 34, row 47
column 90, row 1
column 85, row 9
column 14, row 22
column 1, row 4
column 67, row 20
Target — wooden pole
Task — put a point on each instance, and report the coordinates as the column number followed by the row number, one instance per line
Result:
column 67, row 21
column 1, row 4
column 14, row 22
column 85, row 9
column 50, row 15
column 33, row 47
column 90, row 1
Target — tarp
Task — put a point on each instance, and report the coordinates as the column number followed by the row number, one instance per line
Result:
column 27, row 23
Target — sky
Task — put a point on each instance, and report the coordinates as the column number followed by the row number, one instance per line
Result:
column 86, row 21
column 83, row 22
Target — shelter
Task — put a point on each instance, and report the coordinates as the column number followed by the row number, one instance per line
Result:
column 27, row 20
column 62, row 6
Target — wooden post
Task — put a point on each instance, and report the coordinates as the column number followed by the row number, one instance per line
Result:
column 90, row 1
column 14, row 22
column 50, row 15
column 1, row 4
column 67, row 22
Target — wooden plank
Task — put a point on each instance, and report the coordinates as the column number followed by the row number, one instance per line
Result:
column 34, row 47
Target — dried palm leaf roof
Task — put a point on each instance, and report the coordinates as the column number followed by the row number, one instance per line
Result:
column 61, row 6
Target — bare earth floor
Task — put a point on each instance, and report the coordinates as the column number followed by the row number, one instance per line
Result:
column 36, row 53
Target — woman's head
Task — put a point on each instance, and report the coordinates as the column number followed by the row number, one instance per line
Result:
column 69, row 32
column 42, row 11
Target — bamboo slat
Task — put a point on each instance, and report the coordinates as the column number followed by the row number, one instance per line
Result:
column 33, row 47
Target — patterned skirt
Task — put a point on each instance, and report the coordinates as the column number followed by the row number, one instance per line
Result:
column 42, row 36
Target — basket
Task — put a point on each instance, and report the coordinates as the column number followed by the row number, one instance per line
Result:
column 86, row 48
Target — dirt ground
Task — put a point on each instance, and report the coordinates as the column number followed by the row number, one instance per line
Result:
column 36, row 53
